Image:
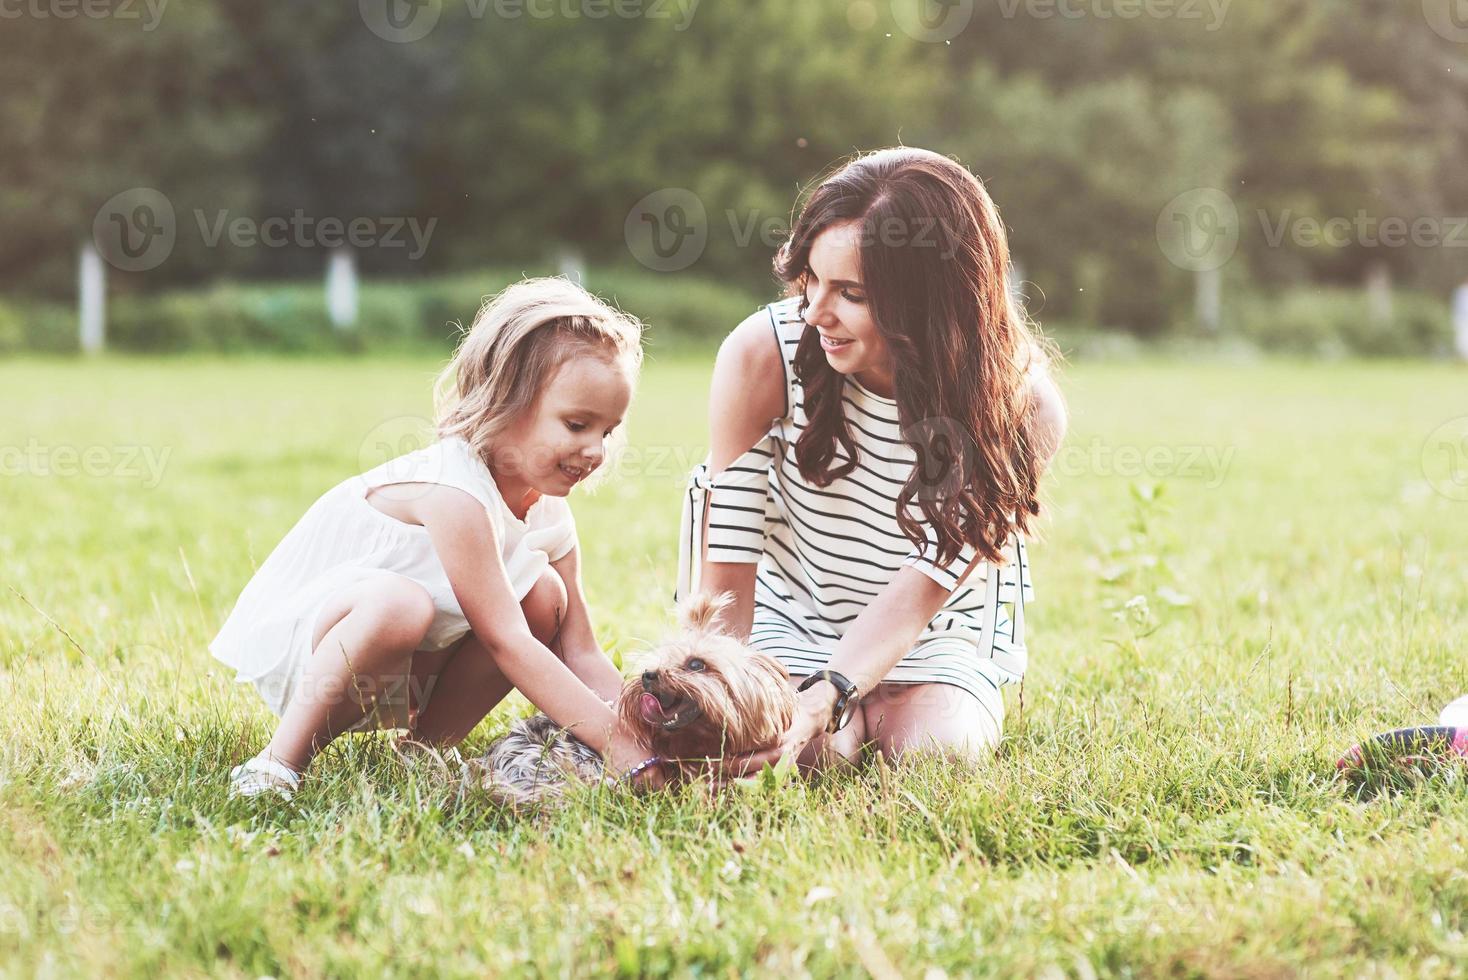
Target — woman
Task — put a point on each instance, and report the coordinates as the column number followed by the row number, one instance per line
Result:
column 877, row 442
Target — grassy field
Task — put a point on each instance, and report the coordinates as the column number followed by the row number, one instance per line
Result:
column 1245, row 568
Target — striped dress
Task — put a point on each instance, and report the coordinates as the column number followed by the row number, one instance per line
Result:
column 825, row 552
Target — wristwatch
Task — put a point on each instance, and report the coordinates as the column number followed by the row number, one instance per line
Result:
column 846, row 701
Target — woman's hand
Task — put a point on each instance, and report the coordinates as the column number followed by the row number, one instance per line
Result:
column 812, row 715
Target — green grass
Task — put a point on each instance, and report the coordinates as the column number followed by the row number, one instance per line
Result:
column 1164, row 802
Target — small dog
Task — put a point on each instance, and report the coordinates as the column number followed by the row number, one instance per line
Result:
column 701, row 695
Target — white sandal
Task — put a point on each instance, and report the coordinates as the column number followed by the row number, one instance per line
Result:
column 263, row 774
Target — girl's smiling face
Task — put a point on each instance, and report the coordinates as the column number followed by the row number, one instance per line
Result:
column 836, row 305
column 564, row 438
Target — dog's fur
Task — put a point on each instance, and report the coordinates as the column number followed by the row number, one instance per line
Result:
column 701, row 695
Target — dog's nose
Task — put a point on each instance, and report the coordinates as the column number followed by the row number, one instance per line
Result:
column 648, row 677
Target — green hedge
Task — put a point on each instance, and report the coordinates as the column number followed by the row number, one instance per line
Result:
column 1310, row 322
column 1340, row 322
column 392, row 316
column 678, row 311
column 37, row 327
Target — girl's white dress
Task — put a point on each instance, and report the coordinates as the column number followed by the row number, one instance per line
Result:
column 343, row 540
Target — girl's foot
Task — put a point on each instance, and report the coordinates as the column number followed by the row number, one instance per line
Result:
column 1455, row 715
column 263, row 774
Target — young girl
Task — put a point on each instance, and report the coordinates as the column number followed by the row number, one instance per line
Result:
column 418, row 594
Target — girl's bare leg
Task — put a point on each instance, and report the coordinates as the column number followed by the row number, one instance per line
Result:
column 462, row 684
column 361, row 657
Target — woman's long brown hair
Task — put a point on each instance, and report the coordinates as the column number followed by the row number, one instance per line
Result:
column 934, row 267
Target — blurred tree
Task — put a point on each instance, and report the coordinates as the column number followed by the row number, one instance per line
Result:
column 561, row 125
column 1081, row 179
column 343, row 113
column 527, row 129
column 97, row 105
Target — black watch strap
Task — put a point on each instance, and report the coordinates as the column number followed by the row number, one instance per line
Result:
column 845, row 705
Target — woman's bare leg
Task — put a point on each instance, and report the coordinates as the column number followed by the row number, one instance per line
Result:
column 905, row 718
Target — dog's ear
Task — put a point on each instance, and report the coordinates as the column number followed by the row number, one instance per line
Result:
column 772, row 700
column 698, row 612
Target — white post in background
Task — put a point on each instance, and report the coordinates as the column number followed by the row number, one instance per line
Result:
column 1208, row 299
column 341, row 288
column 92, row 299
column 1379, row 293
column 571, row 264
column 1460, row 320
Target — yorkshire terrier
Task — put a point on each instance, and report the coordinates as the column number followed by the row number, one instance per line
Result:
column 701, row 695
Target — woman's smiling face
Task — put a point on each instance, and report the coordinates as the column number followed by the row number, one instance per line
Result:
column 836, row 305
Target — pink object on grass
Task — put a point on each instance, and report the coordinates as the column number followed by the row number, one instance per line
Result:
column 1407, row 746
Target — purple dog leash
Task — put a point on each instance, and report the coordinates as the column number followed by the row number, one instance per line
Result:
column 642, row 767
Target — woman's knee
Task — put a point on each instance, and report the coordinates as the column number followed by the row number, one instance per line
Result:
column 935, row 719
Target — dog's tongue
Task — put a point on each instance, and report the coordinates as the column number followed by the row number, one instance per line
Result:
column 650, row 707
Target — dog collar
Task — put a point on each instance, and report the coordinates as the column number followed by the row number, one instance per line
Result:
column 642, row 767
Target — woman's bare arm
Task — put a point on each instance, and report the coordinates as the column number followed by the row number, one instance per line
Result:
column 885, row 630
column 880, row 636
column 746, row 395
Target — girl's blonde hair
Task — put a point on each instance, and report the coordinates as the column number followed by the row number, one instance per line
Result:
column 518, row 340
